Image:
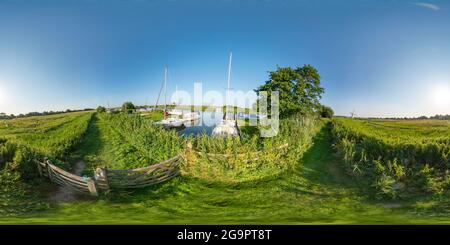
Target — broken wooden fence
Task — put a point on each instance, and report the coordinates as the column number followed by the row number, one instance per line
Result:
column 105, row 179
column 141, row 177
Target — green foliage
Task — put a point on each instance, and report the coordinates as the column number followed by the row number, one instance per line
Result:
column 326, row 111
column 101, row 109
column 128, row 107
column 386, row 186
column 155, row 115
column 16, row 197
column 251, row 158
column 299, row 89
column 7, row 150
column 137, row 142
column 52, row 136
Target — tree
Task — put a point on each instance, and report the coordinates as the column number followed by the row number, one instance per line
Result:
column 101, row 109
column 127, row 107
column 326, row 111
column 299, row 89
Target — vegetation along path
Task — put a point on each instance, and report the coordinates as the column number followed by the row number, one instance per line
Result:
column 317, row 192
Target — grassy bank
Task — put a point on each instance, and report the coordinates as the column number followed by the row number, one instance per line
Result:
column 401, row 158
column 306, row 183
column 317, row 191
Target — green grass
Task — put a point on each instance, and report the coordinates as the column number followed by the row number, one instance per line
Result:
column 317, row 191
column 400, row 130
column 52, row 135
column 401, row 157
column 153, row 115
column 314, row 189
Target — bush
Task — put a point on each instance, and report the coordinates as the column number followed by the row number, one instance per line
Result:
column 127, row 107
column 101, row 109
column 326, row 112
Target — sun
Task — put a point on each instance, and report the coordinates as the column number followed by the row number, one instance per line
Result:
column 441, row 96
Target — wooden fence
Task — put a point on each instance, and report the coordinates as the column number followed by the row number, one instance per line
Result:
column 105, row 179
column 74, row 182
column 141, row 177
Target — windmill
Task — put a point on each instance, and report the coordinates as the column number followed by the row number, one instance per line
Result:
column 352, row 113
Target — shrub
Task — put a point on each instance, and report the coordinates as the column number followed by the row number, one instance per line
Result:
column 127, row 107
column 326, row 111
column 101, row 109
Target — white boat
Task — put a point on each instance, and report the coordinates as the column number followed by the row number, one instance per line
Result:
column 176, row 113
column 190, row 116
column 171, row 122
column 228, row 126
column 171, row 117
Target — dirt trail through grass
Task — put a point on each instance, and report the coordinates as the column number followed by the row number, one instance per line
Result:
column 94, row 150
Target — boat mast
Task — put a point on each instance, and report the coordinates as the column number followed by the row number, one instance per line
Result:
column 228, row 85
column 159, row 95
column 229, row 74
column 165, row 89
column 176, row 95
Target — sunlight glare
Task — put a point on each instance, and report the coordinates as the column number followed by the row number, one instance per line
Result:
column 441, row 96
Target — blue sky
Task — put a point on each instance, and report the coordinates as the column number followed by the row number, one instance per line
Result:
column 379, row 58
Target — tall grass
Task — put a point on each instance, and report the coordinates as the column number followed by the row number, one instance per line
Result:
column 395, row 156
column 137, row 142
column 234, row 160
column 37, row 137
column 23, row 140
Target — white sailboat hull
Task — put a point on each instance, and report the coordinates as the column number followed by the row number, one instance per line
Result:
column 226, row 128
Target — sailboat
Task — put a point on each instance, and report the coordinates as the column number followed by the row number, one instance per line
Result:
column 227, row 126
column 168, row 121
column 186, row 117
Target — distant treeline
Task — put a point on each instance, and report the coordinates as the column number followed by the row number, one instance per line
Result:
column 437, row 117
column 35, row 113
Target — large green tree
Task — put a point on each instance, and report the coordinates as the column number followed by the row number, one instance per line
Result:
column 299, row 89
column 127, row 107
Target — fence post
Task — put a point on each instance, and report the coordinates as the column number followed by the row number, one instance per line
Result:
column 92, row 187
column 39, row 168
column 49, row 171
column 101, row 176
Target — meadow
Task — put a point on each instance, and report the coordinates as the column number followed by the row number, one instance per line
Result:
column 403, row 157
column 314, row 171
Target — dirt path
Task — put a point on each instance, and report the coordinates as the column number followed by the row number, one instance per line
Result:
column 90, row 149
column 64, row 194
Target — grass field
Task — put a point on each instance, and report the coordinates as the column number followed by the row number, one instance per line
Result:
column 316, row 182
column 401, row 130
column 400, row 157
